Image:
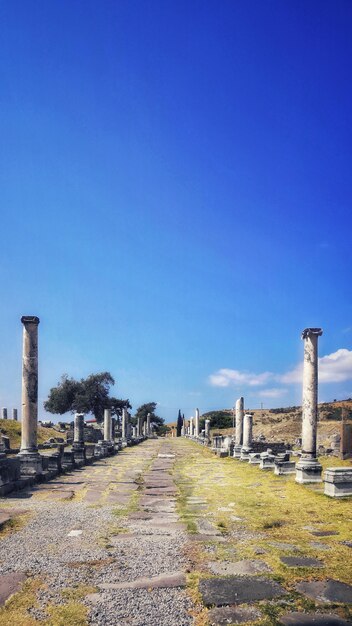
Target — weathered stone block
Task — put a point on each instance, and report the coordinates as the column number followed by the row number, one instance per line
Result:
column 338, row 482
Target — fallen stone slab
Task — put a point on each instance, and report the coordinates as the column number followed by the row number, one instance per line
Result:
column 240, row 568
column 234, row 590
column 296, row 561
column 163, row 581
column 312, row 619
column 10, row 584
column 326, row 591
column 232, row 615
column 324, row 533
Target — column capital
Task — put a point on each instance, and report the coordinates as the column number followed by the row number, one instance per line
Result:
column 30, row 319
column 308, row 332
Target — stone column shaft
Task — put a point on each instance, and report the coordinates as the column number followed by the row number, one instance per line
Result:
column 207, row 428
column 196, row 424
column 29, row 385
column 247, row 431
column 191, row 426
column 148, row 425
column 14, row 415
column 124, row 424
column 239, row 421
column 308, row 469
column 4, row 414
column 107, row 425
column 78, row 433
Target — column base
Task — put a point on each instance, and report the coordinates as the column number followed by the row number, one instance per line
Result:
column 237, row 452
column 284, row 467
column 79, row 454
column 31, row 463
column 245, row 452
column 308, row 471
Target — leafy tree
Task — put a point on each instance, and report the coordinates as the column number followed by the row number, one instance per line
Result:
column 150, row 407
column 218, row 419
column 179, row 424
column 88, row 395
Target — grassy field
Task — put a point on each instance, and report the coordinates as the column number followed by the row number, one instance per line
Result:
column 12, row 429
column 255, row 510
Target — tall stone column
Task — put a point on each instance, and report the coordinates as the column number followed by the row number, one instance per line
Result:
column 4, row 414
column 247, row 436
column 107, row 426
column 308, row 469
column 124, row 425
column 148, row 425
column 207, row 429
column 139, row 427
column 31, row 462
column 196, row 424
column 239, row 428
column 184, row 428
column 14, row 415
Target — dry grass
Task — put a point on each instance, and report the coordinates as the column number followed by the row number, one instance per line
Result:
column 272, row 509
column 12, row 429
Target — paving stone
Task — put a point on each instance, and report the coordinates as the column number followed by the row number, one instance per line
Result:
column 176, row 579
column 240, row 568
column 317, row 545
column 296, row 561
column 283, row 546
column 206, row 538
column 225, row 615
column 10, row 584
column 233, row 590
column 347, row 543
column 205, row 526
column 312, row 619
column 324, row 533
column 326, row 591
column 74, row 533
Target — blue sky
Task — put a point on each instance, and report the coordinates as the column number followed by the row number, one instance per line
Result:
column 176, row 196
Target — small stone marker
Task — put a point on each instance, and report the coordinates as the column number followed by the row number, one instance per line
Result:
column 312, row 619
column 74, row 533
column 294, row 561
column 233, row 590
column 326, row 591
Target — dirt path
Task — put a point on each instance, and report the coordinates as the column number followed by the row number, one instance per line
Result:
column 167, row 534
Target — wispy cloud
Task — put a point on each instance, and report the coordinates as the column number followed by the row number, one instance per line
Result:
column 227, row 377
column 275, row 392
column 333, row 368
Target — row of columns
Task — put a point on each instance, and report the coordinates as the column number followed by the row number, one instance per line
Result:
column 5, row 417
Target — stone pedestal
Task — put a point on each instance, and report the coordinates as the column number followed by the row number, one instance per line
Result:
column 308, row 469
column 281, row 468
column 338, row 482
column 267, row 460
column 254, row 458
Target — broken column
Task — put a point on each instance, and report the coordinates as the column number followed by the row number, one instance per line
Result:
column 148, row 426
column 239, row 428
column 4, row 414
column 207, row 429
column 31, row 462
column 191, row 426
column 107, row 443
column 308, row 469
column 196, row 424
column 14, row 415
column 247, row 436
column 78, row 447
column 139, row 427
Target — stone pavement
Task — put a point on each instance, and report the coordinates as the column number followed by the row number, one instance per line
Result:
column 138, row 540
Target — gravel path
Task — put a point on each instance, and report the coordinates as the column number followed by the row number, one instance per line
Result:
column 82, row 542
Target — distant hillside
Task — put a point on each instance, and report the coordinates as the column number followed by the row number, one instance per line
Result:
column 285, row 423
column 12, row 429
